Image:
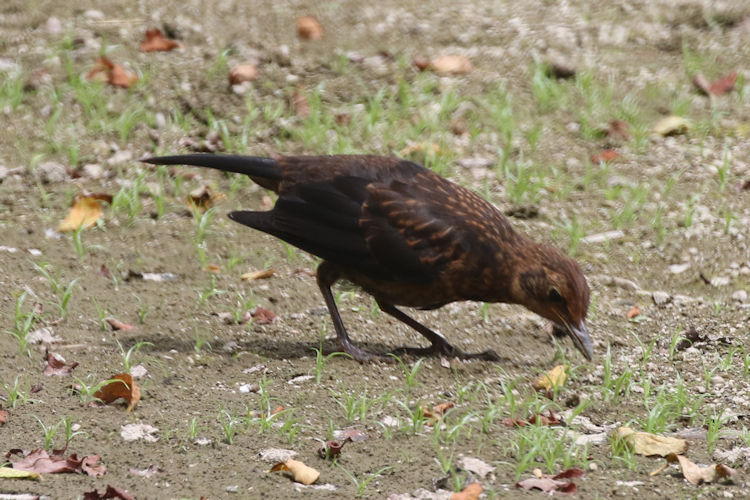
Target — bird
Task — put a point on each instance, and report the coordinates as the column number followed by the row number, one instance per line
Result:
column 408, row 237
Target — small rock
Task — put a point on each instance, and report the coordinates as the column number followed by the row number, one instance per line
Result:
column 138, row 371
column 50, row 171
column 300, row 379
column 231, row 346
column 202, row 441
column 160, row 121
column 720, row 281
column 476, row 162
column 679, row 268
column 247, row 388
column 476, row 466
column 122, row 156
column 232, row 489
column 660, row 298
column 275, row 455
column 93, row 15
column 717, row 380
column 53, row 26
column 134, row 432
column 740, row 296
column 93, row 171
column 603, row 237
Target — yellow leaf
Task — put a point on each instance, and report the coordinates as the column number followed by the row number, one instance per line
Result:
column 551, row 380
column 451, row 64
column 10, row 473
column 671, row 125
column 84, row 213
column 471, row 492
column 300, row 472
column 647, row 444
column 258, row 275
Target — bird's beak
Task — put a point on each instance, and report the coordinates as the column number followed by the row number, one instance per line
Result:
column 581, row 339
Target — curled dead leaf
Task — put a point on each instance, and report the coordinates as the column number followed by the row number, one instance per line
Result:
column 263, row 316
column 116, row 324
column 111, row 73
column 3, row 416
column 257, row 275
column 605, row 156
column 697, row 474
column 552, row 483
column 299, row 104
column 203, row 198
column 644, row 443
column 451, row 64
column 84, row 212
column 671, row 125
column 308, row 28
column 551, row 380
column 155, row 41
column 56, row 365
column 633, row 312
column 243, row 73
column 120, row 386
column 470, row 492
column 717, row 88
column 301, row 473
column 331, row 449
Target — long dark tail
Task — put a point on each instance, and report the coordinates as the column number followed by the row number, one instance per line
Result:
column 257, row 167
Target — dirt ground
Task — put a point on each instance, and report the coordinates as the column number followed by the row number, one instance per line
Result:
column 663, row 227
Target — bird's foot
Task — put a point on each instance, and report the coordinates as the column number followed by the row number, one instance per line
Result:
column 361, row 355
column 448, row 350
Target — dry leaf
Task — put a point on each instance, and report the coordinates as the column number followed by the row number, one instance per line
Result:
column 671, row 125
column 301, row 473
column 111, row 73
column 421, row 63
column 111, row 492
column 203, row 198
column 243, row 73
column 694, row 472
column 213, row 268
column 539, row 419
column 633, row 312
column 262, row 316
column 42, row 462
column 84, row 213
column 308, row 28
column 258, row 275
column 116, row 324
column 331, row 449
column 618, row 129
column 552, row 379
column 471, row 492
column 120, row 386
column 156, row 42
column 724, row 84
column 10, row 473
column 3, row 416
column 719, row 87
column 644, row 443
column 605, row 156
column 299, row 104
column 552, row 483
column 451, row 64
column 56, row 365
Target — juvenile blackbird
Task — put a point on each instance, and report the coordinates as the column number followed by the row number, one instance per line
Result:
column 408, row 237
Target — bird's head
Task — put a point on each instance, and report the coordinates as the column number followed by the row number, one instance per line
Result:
column 554, row 287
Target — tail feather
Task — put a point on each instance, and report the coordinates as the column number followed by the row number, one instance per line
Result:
column 257, row 167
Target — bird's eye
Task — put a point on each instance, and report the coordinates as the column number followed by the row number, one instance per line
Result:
column 554, row 295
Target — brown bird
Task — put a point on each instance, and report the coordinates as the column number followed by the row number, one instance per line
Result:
column 408, row 237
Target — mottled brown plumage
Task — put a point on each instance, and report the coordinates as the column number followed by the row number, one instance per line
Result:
column 408, row 237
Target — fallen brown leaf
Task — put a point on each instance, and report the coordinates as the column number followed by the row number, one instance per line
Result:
column 120, row 386
column 552, row 379
column 84, row 213
column 552, row 483
column 451, row 64
column 111, row 73
column 618, row 129
column 605, row 156
column 644, row 443
column 42, row 462
column 156, row 42
column 257, row 275
column 116, row 324
column 299, row 104
column 695, row 473
column 539, row 419
column 633, row 312
column 308, row 28
column 203, row 198
column 110, row 492
column 471, row 492
column 301, row 473
column 717, row 88
column 56, row 365
column 331, row 449
column 243, row 73
column 3, row 416
column 263, row 316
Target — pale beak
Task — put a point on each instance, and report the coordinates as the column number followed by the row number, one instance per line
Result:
column 581, row 339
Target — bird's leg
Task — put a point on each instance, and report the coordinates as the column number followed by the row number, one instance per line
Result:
column 326, row 277
column 440, row 344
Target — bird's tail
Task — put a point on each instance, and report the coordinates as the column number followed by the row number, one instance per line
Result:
column 264, row 171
